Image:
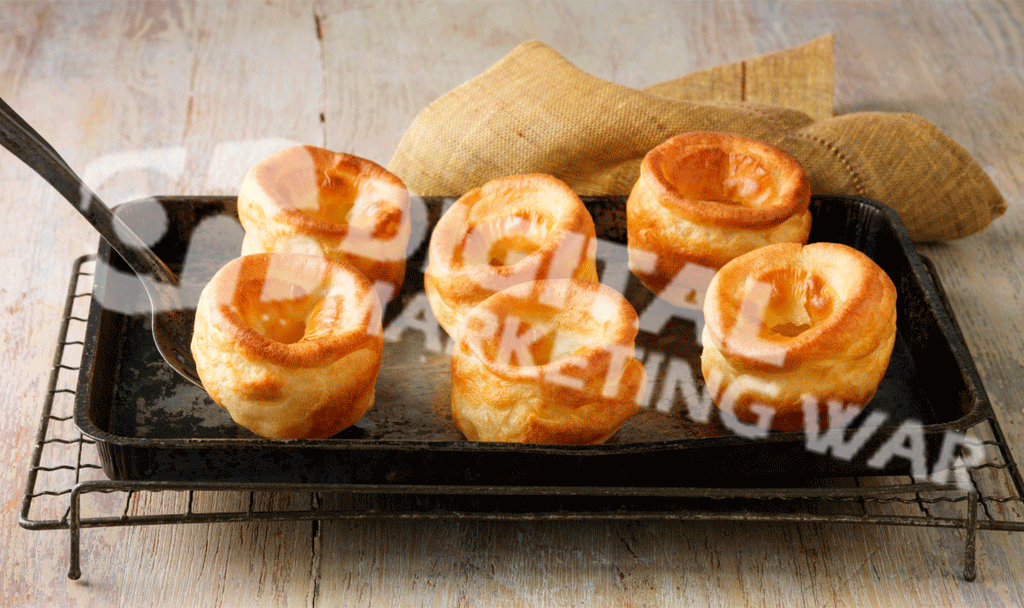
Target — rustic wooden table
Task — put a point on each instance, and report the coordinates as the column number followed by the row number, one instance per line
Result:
column 187, row 82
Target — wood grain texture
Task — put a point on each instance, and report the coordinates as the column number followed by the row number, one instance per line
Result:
column 212, row 85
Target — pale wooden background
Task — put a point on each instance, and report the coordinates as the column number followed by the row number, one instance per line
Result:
column 102, row 78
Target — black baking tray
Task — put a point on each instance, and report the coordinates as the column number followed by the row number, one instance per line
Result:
column 150, row 424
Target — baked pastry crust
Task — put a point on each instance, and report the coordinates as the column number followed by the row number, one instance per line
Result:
column 786, row 323
column 311, row 200
column 511, row 230
column 705, row 198
column 549, row 361
column 290, row 344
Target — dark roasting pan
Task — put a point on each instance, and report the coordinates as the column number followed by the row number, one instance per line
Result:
column 149, row 424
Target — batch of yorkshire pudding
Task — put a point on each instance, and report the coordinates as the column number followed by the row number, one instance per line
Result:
column 288, row 336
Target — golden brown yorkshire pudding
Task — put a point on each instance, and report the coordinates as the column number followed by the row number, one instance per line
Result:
column 786, row 323
column 310, row 200
column 550, row 361
column 510, row 230
column 290, row 344
column 705, row 198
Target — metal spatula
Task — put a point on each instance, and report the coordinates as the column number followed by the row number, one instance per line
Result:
column 172, row 322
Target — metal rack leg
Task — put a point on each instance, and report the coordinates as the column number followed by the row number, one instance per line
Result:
column 971, row 528
column 74, row 534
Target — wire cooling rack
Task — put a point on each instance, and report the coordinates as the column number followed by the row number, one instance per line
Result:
column 67, row 489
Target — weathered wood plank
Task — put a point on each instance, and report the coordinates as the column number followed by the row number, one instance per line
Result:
column 223, row 82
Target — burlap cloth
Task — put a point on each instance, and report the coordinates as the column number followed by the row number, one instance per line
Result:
column 533, row 111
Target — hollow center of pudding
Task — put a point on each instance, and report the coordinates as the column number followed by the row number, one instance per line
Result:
column 504, row 241
column 798, row 300
column 334, row 196
column 555, row 343
column 275, row 309
column 326, row 194
column 720, row 176
column 530, row 333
